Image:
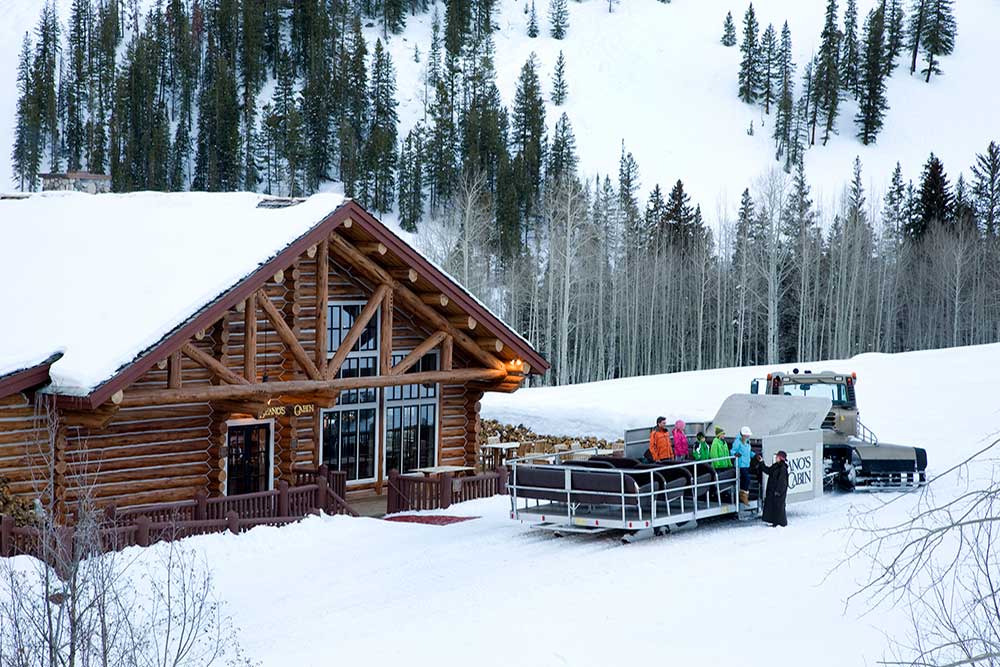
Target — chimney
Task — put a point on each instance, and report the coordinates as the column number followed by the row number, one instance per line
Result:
column 77, row 181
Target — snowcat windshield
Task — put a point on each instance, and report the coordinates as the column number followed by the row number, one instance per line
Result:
column 836, row 391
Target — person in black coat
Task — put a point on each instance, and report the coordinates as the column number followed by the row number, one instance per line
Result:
column 777, row 490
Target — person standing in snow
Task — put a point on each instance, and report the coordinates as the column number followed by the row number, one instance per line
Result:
column 743, row 453
column 720, row 450
column 777, row 489
column 700, row 448
column 680, row 441
column 660, row 447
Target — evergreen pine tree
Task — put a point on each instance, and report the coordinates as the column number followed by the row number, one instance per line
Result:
column 770, row 68
column 894, row 34
column 728, row 31
column 986, row 190
column 317, row 103
column 380, row 151
column 562, row 154
column 915, row 30
column 850, row 56
column 76, row 89
column 935, row 201
column 533, row 22
column 827, row 75
column 872, row 103
column 784, row 118
column 528, row 134
column 26, row 155
column 393, row 17
column 44, row 81
column 963, row 214
column 939, row 35
column 749, row 79
column 628, row 205
column 558, row 19
column 440, row 165
column 559, row 91
column 411, row 180
column 894, row 213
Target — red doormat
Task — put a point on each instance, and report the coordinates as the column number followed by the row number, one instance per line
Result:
column 429, row 519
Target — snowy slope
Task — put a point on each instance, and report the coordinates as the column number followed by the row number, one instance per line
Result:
column 655, row 75
column 493, row 592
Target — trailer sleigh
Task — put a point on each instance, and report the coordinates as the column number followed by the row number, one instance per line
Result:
column 599, row 494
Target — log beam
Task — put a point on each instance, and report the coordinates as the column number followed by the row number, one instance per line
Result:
column 385, row 344
column 418, row 353
column 490, row 344
column 434, row 299
column 406, row 275
column 264, row 390
column 409, row 300
column 322, row 303
column 250, row 339
column 175, row 368
column 355, row 332
column 447, row 353
column 372, row 248
column 287, row 336
column 209, row 362
column 463, row 322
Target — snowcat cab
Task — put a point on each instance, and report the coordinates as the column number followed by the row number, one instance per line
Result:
column 853, row 458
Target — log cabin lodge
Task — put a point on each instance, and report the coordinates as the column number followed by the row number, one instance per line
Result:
column 159, row 345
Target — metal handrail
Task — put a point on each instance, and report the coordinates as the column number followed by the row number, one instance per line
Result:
column 638, row 495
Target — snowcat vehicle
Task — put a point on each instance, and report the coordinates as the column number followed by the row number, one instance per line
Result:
column 853, row 457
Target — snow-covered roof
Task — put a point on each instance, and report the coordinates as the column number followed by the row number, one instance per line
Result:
column 101, row 278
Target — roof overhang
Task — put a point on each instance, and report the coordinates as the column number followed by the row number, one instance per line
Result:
column 27, row 378
column 242, row 290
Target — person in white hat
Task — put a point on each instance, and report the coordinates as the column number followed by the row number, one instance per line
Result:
column 741, row 450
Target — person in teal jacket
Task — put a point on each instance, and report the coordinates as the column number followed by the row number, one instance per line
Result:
column 743, row 454
column 720, row 450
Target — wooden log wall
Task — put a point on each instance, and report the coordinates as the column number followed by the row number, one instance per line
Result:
column 22, row 438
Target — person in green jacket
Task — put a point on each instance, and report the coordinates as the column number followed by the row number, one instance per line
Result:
column 700, row 449
column 720, row 450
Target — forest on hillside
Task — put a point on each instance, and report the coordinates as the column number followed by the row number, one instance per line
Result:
column 282, row 96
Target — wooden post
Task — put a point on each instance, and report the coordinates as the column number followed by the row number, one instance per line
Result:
column 174, row 370
column 250, row 339
column 233, row 522
column 447, row 353
column 6, row 536
column 283, row 498
column 322, row 302
column 322, row 486
column 445, row 491
column 385, row 360
column 201, row 505
column 392, row 498
column 142, row 531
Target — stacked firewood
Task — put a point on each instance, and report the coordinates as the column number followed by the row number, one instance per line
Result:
column 15, row 506
column 547, row 443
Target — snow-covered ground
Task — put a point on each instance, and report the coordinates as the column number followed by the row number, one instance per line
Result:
column 493, row 592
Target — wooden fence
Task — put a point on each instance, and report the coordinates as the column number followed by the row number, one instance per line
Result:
column 142, row 526
column 411, row 493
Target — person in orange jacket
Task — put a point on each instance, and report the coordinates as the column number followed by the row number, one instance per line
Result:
column 660, row 447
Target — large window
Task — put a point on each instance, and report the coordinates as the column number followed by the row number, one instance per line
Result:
column 349, row 429
column 411, row 419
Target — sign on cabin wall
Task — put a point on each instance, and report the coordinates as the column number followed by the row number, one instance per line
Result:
column 800, row 472
column 298, row 409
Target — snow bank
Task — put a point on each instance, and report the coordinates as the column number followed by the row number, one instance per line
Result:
column 103, row 277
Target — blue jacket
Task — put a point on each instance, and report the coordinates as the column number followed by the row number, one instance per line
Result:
column 742, row 448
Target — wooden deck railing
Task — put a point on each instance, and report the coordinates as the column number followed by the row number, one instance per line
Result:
column 149, row 524
column 413, row 493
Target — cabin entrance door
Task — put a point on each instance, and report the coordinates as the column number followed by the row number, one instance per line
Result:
column 249, row 457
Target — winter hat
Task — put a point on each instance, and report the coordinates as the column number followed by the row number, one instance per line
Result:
column 746, row 432
column 719, row 430
column 679, row 424
column 782, row 455
column 701, row 434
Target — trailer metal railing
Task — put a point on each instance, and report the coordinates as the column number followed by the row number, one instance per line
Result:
column 634, row 506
